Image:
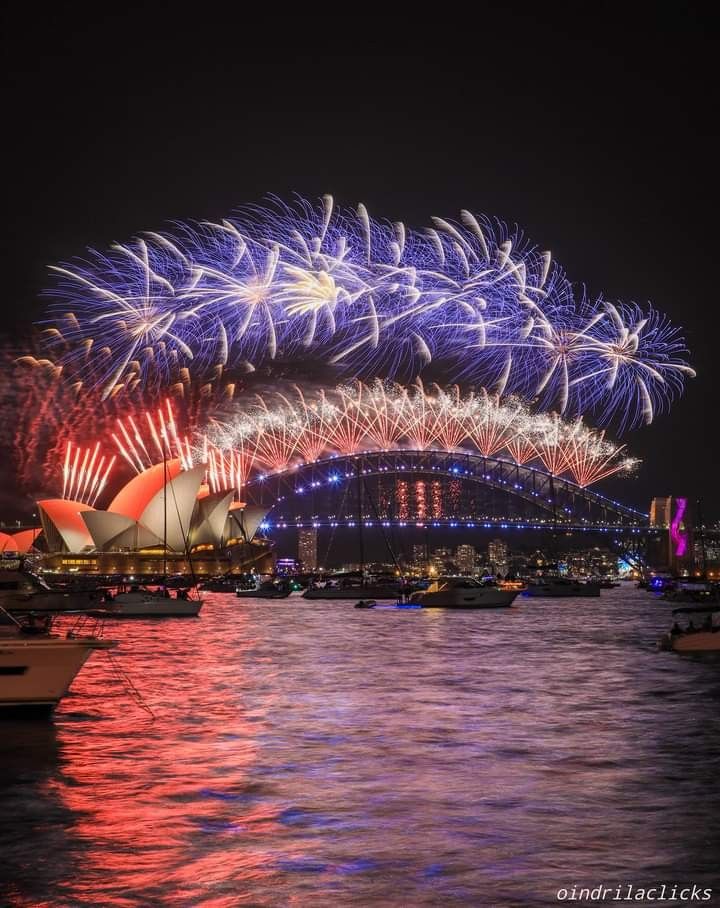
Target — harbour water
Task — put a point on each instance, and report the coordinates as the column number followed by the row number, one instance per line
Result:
column 307, row 753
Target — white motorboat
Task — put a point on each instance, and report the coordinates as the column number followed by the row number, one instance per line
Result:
column 689, row 637
column 560, row 587
column 36, row 666
column 463, row 592
column 138, row 602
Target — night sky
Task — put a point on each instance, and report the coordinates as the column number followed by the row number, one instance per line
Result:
column 597, row 135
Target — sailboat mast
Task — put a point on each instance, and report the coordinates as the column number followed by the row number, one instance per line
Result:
column 164, row 512
column 361, row 538
column 702, row 537
column 555, row 524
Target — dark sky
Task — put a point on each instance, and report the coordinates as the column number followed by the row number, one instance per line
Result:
column 595, row 132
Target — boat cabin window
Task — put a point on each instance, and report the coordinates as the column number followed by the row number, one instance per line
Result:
column 456, row 583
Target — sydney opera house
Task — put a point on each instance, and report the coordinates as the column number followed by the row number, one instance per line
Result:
column 165, row 517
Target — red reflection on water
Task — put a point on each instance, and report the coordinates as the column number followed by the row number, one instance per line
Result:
column 169, row 801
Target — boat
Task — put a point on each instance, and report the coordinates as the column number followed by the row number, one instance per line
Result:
column 141, row 602
column 560, row 587
column 355, row 584
column 463, row 592
column 701, row 592
column 353, row 589
column 226, row 584
column 37, row 667
column 22, row 591
column 266, row 589
column 659, row 583
column 689, row 637
column 146, row 602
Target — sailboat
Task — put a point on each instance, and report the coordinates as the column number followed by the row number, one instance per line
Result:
column 552, row 586
column 354, row 584
column 141, row 602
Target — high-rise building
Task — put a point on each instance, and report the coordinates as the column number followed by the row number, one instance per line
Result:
column 308, row 548
column 465, row 559
column 441, row 560
column 419, row 555
column 498, row 556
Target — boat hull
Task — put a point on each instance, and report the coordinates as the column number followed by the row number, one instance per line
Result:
column 466, row 599
column 260, row 594
column 696, row 642
column 36, row 673
column 51, row 601
column 130, row 605
column 549, row 591
column 354, row 593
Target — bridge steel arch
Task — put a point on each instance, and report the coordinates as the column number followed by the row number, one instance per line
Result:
column 546, row 501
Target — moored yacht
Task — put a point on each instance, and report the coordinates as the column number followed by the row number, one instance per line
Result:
column 139, row 602
column 702, row 592
column 36, row 666
column 269, row 588
column 21, row 590
column 226, row 584
column 560, row 587
column 463, row 592
column 353, row 586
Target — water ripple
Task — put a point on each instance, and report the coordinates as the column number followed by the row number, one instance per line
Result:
column 312, row 754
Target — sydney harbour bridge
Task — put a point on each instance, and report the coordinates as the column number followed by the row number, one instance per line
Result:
column 435, row 488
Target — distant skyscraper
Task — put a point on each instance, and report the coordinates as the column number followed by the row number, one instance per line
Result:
column 308, row 548
column 419, row 555
column 441, row 559
column 498, row 556
column 465, row 558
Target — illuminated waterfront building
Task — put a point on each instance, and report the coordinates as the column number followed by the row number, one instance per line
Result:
column 594, row 562
column 465, row 559
column 308, row 548
column 498, row 556
column 441, row 560
column 419, row 557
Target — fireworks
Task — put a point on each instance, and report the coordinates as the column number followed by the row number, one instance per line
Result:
column 163, row 440
column 48, row 411
column 469, row 301
column 280, row 432
column 85, row 473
